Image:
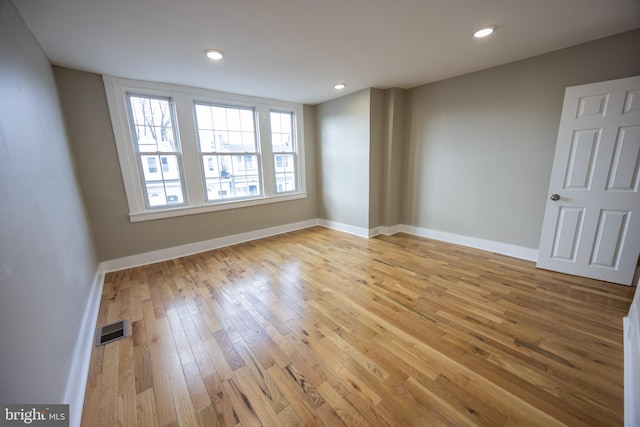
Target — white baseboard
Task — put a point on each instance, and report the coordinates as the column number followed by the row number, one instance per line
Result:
column 198, row 247
column 207, row 245
column 77, row 382
column 387, row 231
column 345, row 228
column 474, row 242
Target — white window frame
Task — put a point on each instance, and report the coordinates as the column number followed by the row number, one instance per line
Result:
column 184, row 99
column 159, row 165
column 284, row 154
column 257, row 153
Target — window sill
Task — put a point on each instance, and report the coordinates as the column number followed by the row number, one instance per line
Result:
column 192, row 210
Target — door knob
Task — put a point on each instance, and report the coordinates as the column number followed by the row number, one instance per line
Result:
column 555, row 197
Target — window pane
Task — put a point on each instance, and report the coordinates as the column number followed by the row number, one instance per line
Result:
column 150, row 168
column 173, row 190
column 222, row 141
column 247, row 121
column 234, row 176
column 276, row 141
column 153, row 124
column 291, row 163
column 203, row 116
column 163, row 193
column 155, row 140
column 284, row 163
column 276, row 126
column 233, row 129
column 219, row 117
column 233, row 171
column 287, row 120
column 159, row 168
column 235, row 142
column 285, row 182
column 249, row 142
column 156, row 194
column 170, row 169
column 162, row 180
column 152, row 164
column 233, row 119
column 207, row 141
column 284, row 150
column 282, row 131
column 211, row 166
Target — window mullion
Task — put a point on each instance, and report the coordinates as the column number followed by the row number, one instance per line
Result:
column 190, row 156
column 298, row 129
column 266, row 151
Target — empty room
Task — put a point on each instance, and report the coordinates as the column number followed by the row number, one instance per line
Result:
column 295, row 213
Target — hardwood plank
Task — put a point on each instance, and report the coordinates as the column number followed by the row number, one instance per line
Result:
column 295, row 395
column 207, row 417
column 288, row 418
column 343, row 408
column 317, row 327
column 242, row 406
column 146, row 413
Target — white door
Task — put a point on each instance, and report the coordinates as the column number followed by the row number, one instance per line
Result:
column 592, row 221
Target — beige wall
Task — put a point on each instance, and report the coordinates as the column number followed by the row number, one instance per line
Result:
column 360, row 140
column 46, row 254
column 84, row 102
column 343, row 127
column 393, row 156
column 469, row 155
column 377, row 169
column 480, row 146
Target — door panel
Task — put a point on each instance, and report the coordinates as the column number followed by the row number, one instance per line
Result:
column 632, row 101
column 592, row 226
column 583, row 153
column 623, row 175
column 567, row 233
column 612, row 228
column 592, row 106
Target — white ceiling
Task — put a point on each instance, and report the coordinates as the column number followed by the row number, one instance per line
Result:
column 296, row 50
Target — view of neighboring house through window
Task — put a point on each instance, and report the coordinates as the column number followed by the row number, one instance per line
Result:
column 153, row 130
column 284, row 151
column 152, row 165
column 229, row 151
column 185, row 151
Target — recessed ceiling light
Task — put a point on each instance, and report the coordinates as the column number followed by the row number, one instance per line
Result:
column 214, row 54
column 339, row 86
column 484, row 31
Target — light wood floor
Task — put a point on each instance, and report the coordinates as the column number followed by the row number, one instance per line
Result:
column 318, row 327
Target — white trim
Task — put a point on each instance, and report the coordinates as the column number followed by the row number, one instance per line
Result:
column 386, row 231
column 220, row 242
column 183, row 98
column 192, row 210
column 77, row 381
column 197, row 247
column 345, row 228
column 631, row 333
column 474, row 242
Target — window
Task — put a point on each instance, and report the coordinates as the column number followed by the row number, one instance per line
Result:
column 284, row 151
column 186, row 151
column 227, row 141
column 152, row 165
column 153, row 131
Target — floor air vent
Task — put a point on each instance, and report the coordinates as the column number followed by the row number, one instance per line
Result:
column 111, row 333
